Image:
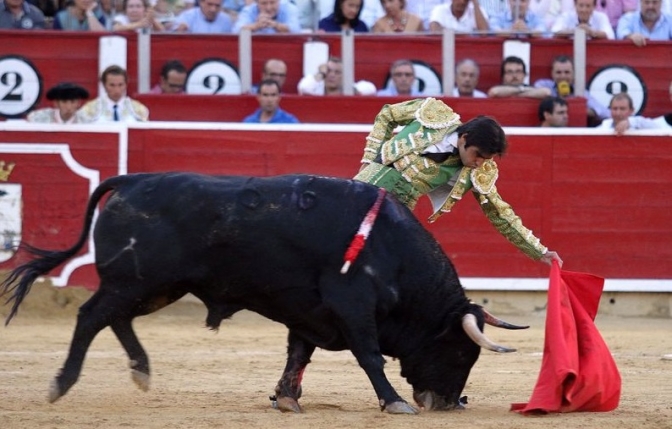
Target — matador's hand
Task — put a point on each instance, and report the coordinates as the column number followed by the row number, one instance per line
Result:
column 551, row 256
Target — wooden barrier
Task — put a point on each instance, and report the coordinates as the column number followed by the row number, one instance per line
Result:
column 601, row 201
column 73, row 56
column 513, row 112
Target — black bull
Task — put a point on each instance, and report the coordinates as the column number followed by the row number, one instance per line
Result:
column 275, row 246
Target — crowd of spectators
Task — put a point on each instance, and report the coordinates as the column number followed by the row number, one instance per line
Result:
column 114, row 104
column 636, row 20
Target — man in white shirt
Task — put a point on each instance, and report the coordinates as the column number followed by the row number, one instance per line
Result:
column 403, row 80
column 114, row 105
column 466, row 79
column 207, row 18
column 622, row 118
column 422, row 8
column 463, row 16
column 595, row 23
column 513, row 74
column 327, row 81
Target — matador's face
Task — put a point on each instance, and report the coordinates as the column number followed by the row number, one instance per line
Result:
column 471, row 156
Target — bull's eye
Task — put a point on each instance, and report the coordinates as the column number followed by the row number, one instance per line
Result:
column 307, row 200
column 249, row 198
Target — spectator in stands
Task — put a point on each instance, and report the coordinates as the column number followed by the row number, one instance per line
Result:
column 397, row 19
column 550, row 10
column 444, row 160
column 463, row 16
column 185, row 5
column 519, row 20
column 67, row 98
column 207, row 18
column 312, row 11
column 233, row 7
column 562, row 84
column 364, row 87
column 665, row 121
column 108, row 9
column 594, row 23
column 114, row 105
column 403, row 78
column 47, row 7
column 494, row 7
column 623, row 118
column 20, row 15
column 345, row 17
column 164, row 13
column 466, row 79
column 138, row 15
column 269, row 111
column 327, row 81
column 172, row 79
column 422, row 8
column 615, row 9
column 274, row 69
column 268, row 17
column 309, row 14
column 647, row 24
column 512, row 74
column 553, row 112
column 80, row 15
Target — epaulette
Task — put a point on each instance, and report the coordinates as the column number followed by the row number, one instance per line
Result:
column 484, row 177
column 435, row 114
column 140, row 111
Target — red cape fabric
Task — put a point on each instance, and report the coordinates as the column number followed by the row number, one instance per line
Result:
column 578, row 372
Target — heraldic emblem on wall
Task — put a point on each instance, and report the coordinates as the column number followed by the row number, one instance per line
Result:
column 10, row 212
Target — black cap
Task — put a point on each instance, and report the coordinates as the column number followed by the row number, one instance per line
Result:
column 67, row 91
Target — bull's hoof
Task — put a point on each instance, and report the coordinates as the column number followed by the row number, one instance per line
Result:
column 400, row 407
column 54, row 391
column 287, row 405
column 140, row 379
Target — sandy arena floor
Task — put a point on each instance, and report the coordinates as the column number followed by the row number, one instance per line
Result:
column 203, row 379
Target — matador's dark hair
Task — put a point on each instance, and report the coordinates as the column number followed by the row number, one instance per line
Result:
column 486, row 134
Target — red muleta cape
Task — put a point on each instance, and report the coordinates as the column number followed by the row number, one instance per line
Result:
column 578, row 372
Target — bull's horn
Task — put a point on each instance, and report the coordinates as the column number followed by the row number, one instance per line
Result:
column 499, row 323
column 471, row 329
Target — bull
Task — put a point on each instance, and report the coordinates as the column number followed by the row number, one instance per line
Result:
column 274, row 246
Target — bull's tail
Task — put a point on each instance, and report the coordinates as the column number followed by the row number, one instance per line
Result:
column 20, row 280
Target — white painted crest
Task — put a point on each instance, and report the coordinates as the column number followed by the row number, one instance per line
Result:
column 10, row 219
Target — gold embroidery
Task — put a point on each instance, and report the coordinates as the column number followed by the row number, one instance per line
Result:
column 484, row 177
column 435, row 114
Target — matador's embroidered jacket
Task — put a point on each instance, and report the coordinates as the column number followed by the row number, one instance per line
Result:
column 130, row 110
column 395, row 162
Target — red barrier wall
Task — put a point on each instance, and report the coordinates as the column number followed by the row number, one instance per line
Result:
column 70, row 56
column 601, row 201
column 56, row 171
column 512, row 112
column 573, row 191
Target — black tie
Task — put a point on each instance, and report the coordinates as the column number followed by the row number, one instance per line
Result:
column 115, row 113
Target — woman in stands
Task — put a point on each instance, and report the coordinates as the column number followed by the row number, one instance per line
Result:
column 397, row 19
column 345, row 17
column 80, row 15
column 137, row 15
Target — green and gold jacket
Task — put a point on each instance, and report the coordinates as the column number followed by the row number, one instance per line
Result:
column 395, row 162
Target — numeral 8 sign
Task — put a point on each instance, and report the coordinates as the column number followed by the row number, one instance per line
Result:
column 20, row 86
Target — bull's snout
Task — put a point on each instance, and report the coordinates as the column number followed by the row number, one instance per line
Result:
column 431, row 401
